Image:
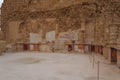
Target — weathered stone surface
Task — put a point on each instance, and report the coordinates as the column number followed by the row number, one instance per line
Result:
column 98, row 20
column 2, row 46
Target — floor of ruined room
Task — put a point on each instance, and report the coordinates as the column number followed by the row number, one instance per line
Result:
column 54, row 66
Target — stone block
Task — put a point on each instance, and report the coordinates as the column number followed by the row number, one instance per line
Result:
column 118, row 58
column 107, row 53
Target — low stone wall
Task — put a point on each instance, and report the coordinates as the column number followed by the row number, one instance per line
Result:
column 44, row 48
column 107, row 53
column 118, row 58
column 2, row 46
column 81, row 48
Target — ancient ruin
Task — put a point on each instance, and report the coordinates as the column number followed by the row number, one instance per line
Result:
column 61, row 26
column 85, row 24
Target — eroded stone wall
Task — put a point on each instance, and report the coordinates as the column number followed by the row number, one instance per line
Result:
column 98, row 20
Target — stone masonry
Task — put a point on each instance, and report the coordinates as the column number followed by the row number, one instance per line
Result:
column 98, row 20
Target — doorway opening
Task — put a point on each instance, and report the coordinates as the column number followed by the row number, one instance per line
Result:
column 113, row 55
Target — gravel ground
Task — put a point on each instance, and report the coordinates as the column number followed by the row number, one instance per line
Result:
column 54, row 66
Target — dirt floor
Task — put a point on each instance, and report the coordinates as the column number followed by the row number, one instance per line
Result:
column 55, row 66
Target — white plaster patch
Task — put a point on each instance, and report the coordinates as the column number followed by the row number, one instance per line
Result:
column 50, row 36
column 35, row 38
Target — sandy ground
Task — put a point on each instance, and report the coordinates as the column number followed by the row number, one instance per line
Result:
column 54, row 66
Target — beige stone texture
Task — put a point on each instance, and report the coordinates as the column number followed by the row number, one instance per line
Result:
column 118, row 58
column 107, row 53
column 13, row 30
column 2, row 46
column 44, row 48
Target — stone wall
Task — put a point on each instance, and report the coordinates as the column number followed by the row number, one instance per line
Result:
column 98, row 20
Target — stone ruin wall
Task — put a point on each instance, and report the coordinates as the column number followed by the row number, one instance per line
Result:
column 99, row 20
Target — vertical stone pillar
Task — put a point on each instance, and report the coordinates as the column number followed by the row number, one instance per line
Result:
column 113, row 34
column 118, row 58
column 118, row 39
column 107, row 53
column 56, row 31
column 1, row 35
